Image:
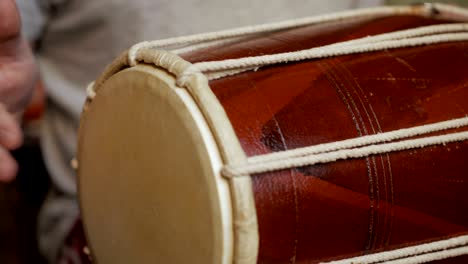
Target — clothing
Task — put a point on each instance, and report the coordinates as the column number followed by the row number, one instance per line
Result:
column 79, row 37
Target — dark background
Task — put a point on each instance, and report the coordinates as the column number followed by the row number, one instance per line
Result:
column 19, row 205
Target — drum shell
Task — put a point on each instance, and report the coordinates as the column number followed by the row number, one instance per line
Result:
column 357, row 206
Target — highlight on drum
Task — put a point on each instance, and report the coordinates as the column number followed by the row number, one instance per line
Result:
column 340, row 138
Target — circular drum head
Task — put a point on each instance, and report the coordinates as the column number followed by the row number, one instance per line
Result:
column 150, row 188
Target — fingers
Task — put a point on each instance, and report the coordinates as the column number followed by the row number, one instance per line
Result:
column 11, row 57
column 18, row 74
column 8, row 166
column 18, row 70
column 11, row 136
column 10, row 24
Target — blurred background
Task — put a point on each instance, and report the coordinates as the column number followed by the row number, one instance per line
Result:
column 20, row 200
column 19, row 206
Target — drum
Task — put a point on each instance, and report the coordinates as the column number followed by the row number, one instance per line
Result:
column 341, row 138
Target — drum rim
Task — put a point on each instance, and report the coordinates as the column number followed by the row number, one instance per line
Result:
column 226, row 253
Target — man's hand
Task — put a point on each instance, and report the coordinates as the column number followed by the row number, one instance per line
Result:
column 18, row 74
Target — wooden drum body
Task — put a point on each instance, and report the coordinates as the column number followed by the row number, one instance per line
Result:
column 369, row 137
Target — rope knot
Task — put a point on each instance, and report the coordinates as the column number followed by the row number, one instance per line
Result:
column 189, row 71
column 133, row 52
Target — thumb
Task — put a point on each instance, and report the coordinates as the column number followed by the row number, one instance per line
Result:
column 10, row 22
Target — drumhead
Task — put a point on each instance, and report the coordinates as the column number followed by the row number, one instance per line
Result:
column 150, row 189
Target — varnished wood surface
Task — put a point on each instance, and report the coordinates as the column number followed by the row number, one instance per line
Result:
column 358, row 206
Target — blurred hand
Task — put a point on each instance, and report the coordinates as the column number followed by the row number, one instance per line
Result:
column 18, row 74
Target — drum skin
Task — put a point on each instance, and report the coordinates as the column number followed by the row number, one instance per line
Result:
column 356, row 206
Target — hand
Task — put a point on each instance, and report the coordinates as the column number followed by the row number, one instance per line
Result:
column 18, row 74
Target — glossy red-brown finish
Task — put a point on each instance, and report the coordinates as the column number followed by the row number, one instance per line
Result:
column 356, row 206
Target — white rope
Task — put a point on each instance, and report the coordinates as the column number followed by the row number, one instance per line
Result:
column 420, row 31
column 399, row 39
column 445, row 254
column 451, row 11
column 218, row 75
column 423, row 10
column 321, row 52
column 219, row 69
column 362, row 141
column 408, row 33
column 414, row 254
column 315, row 53
column 382, row 41
column 240, row 170
column 181, row 44
column 204, row 45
